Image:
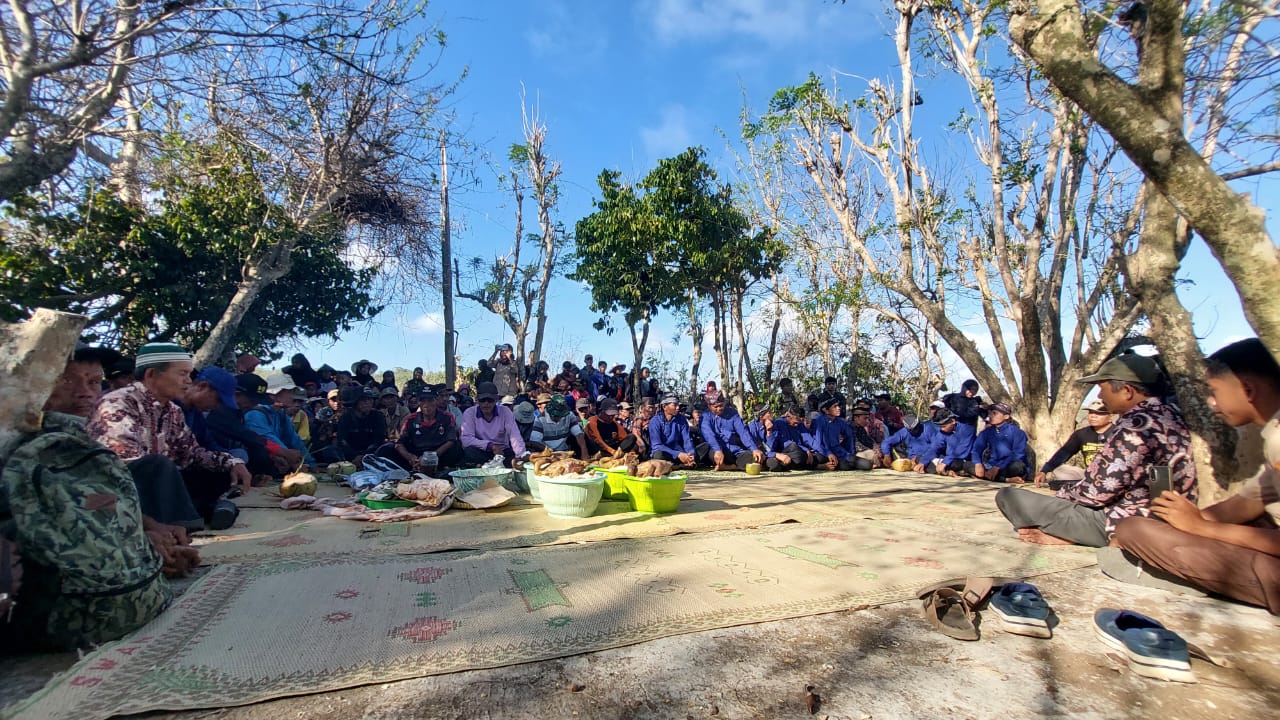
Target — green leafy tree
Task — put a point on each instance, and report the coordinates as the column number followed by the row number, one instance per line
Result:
column 168, row 273
column 621, row 256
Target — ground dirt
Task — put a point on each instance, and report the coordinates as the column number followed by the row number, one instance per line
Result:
column 880, row 662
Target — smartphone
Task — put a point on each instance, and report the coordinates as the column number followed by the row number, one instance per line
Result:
column 1159, row 479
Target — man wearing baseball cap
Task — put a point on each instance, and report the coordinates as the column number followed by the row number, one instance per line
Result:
column 1000, row 450
column 1085, row 442
column 1148, row 433
column 955, row 446
column 489, row 430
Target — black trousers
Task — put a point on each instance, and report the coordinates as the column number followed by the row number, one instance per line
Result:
column 706, row 456
column 476, row 456
column 627, row 445
column 1017, row 468
column 800, row 459
column 449, row 459
column 177, row 497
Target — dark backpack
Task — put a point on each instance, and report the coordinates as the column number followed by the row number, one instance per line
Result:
column 78, row 526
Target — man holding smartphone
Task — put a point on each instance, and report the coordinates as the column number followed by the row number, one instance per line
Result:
column 1231, row 548
column 1148, row 432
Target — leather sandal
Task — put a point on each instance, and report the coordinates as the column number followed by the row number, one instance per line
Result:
column 947, row 612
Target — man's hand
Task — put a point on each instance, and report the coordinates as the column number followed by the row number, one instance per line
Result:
column 241, row 476
column 1040, row 479
column 918, row 468
column 783, row 458
column 1178, row 511
column 685, row 458
column 718, row 458
column 294, row 457
column 980, row 471
column 832, row 462
column 177, row 560
column 757, row 455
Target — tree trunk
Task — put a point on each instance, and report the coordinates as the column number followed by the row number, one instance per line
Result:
column 746, row 372
column 696, row 333
column 1151, row 271
column 446, row 261
column 1052, row 32
column 258, row 275
column 637, row 350
column 773, row 335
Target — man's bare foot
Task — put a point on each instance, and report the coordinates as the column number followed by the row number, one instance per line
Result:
column 1037, row 536
column 1016, row 480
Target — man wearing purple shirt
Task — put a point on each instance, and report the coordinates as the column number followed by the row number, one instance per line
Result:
column 489, row 430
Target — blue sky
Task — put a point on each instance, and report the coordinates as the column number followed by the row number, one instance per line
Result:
column 620, row 85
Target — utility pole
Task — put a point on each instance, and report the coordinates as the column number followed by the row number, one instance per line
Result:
column 446, row 263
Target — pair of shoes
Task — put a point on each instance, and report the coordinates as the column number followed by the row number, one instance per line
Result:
column 1022, row 610
column 951, row 607
column 1152, row 650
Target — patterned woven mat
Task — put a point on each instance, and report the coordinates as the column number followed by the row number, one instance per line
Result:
column 261, row 535
column 714, row 501
column 248, row 633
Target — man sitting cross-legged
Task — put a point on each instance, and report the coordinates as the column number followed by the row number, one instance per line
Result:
column 1233, row 547
column 1000, row 450
column 92, row 558
column 1148, row 433
column 143, row 425
column 726, row 442
column 1086, row 441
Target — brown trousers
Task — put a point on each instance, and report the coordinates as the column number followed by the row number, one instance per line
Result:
column 1236, row 572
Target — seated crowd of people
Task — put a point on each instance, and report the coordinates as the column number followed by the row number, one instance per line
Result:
column 167, row 447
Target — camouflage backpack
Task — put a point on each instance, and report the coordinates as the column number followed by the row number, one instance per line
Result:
column 92, row 575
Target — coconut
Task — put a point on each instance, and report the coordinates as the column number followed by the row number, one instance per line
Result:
column 298, row 484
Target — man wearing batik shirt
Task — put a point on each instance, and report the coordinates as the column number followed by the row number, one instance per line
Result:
column 141, row 423
column 1148, row 433
column 1231, row 548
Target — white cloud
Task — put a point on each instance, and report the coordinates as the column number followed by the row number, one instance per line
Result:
column 671, row 136
column 774, row 22
column 431, row 323
column 562, row 32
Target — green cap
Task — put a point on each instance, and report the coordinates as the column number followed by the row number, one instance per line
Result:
column 1130, row 368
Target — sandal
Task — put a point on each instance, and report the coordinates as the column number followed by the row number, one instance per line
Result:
column 951, row 605
column 947, row 612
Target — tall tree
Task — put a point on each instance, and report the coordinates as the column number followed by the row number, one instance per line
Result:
column 514, row 286
column 1056, row 35
column 90, row 80
column 1008, row 247
column 166, row 272
column 337, row 141
column 621, row 257
column 714, row 250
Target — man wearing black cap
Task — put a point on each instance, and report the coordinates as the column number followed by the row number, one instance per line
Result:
column 288, row 452
column 955, row 447
column 889, row 414
column 829, row 392
column 605, row 434
column 1148, row 433
column 1000, row 450
column 865, row 446
column 361, row 429
column 427, row 430
column 489, row 430
column 669, row 437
